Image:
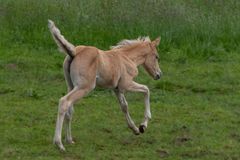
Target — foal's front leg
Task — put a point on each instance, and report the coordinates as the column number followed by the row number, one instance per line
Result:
column 147, row 114
column 124, row 107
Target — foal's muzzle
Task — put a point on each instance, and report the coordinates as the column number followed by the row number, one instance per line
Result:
column 158, row 76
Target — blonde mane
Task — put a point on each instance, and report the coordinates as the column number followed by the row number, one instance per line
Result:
column 127, row 42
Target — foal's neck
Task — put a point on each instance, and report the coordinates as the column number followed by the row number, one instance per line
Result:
column 138, row 54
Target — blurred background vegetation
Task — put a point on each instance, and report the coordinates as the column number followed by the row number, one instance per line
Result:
column 192, row 27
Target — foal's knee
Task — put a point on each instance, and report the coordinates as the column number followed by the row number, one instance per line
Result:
column 146, row 91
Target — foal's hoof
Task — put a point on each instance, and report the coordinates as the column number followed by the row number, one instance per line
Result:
column 70, row 141
column 142, row 128
column 60, row 146
column 62, row 149
column 136, row 131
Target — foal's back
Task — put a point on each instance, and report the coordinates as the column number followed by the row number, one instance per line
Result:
column 102, row 67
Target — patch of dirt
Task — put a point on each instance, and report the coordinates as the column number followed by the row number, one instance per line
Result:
column 9, row 152
column 195, row 154
column 184, row 127
column 207, row 153
column 106, row 130
column 151, row 141
column 235, row 136
column 6, row 90
column 182, row 140
column 129, row 141
column 162, row 153
column 11, row 66
column 2, row 11
column 126, row 142
column 100, row 147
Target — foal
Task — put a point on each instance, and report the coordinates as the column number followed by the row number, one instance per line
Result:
column 86, row 67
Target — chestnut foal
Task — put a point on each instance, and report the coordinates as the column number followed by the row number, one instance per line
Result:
column 86, row 67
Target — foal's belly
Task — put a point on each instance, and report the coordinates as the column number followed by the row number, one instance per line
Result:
column 106, row 82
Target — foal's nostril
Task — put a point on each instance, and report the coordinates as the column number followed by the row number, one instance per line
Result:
column 157, row 76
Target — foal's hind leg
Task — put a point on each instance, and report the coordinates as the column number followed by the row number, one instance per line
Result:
column 69, row 113
column 124, row 108
column 68, row 120
column 64, row 104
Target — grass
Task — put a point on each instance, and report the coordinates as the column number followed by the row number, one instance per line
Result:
column 195, row 106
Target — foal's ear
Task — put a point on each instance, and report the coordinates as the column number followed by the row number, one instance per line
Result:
column 156, row 42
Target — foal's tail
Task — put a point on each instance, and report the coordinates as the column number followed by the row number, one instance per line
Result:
column 62, row 43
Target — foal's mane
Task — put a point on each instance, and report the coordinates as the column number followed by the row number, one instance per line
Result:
column 126, row 42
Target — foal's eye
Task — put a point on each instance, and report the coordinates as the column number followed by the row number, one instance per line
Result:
column 157, row 57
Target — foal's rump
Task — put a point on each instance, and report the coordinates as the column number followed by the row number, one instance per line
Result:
column 83, row 68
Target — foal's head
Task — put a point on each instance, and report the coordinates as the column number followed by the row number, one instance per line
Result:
column 152, row 58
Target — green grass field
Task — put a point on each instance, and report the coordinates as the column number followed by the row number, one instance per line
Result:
column 195, row 106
